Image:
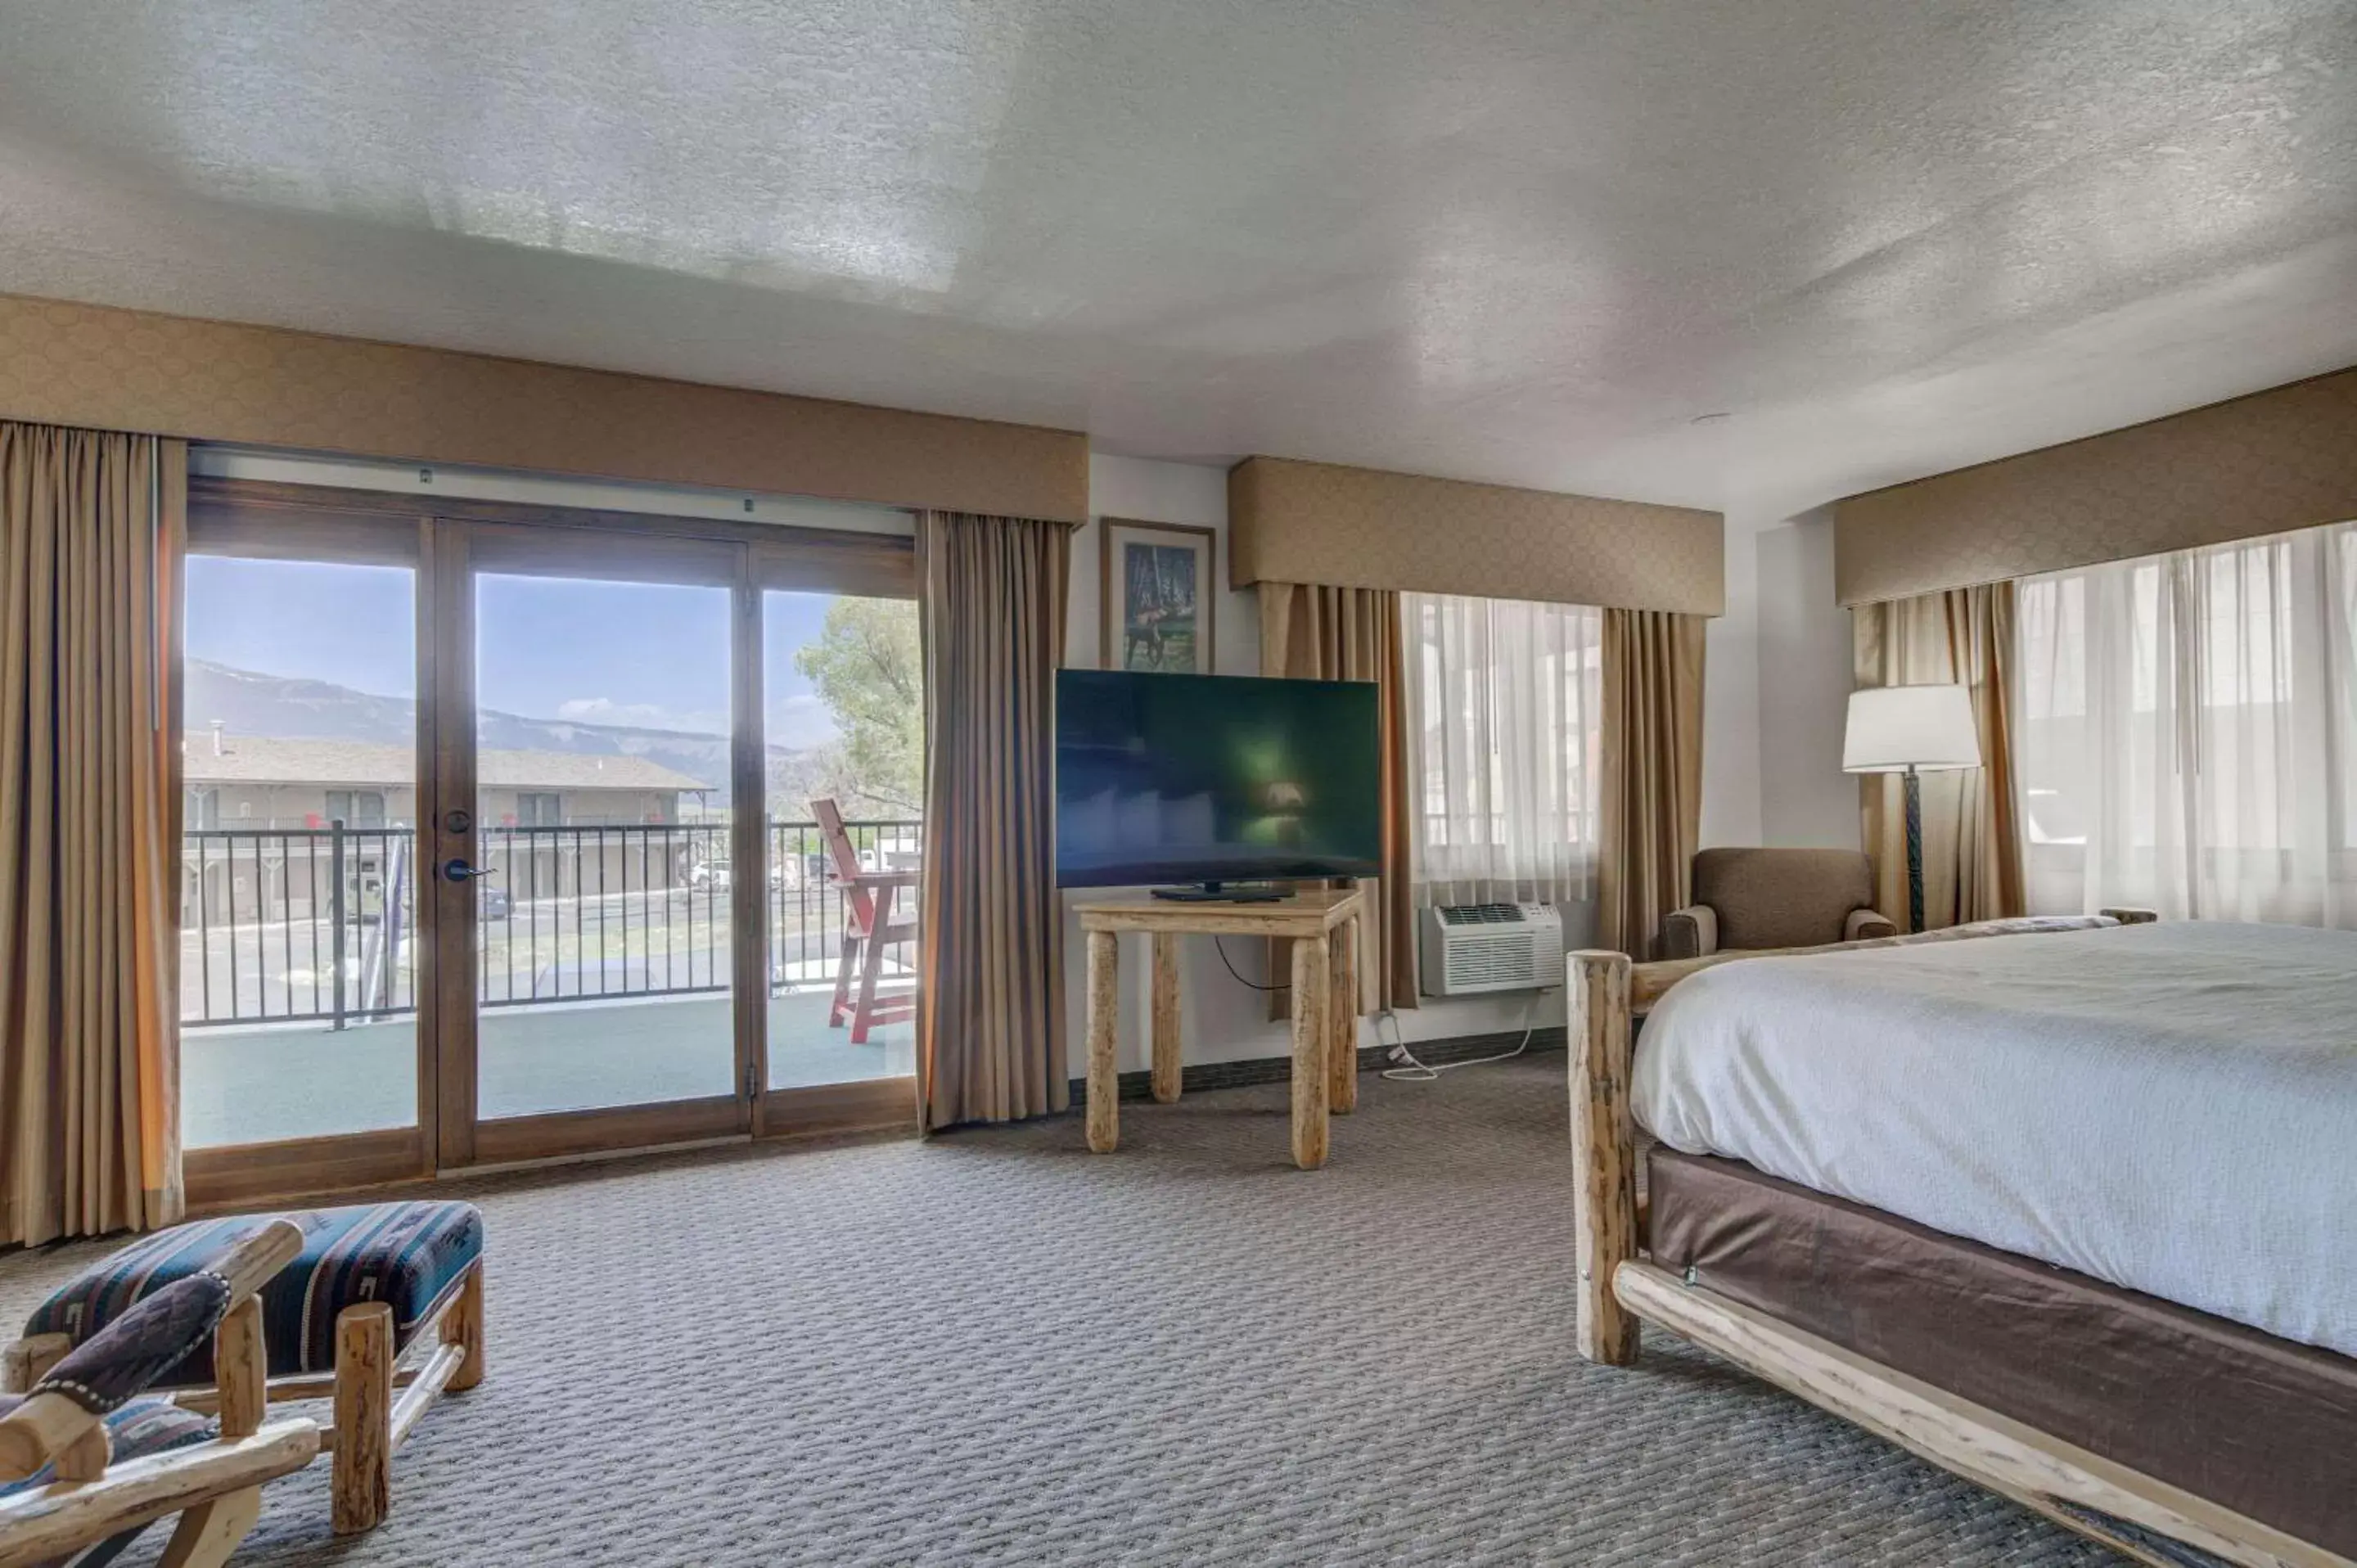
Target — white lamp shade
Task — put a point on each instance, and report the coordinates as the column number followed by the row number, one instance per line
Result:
column 1893, row 728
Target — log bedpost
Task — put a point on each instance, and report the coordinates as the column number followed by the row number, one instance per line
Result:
column 1603, row 1151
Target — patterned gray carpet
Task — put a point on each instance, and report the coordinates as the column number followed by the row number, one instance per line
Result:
column 999, row 1349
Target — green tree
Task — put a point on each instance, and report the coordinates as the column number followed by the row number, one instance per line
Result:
column 866, row 665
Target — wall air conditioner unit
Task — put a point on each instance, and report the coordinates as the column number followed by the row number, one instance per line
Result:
column 1467, row 948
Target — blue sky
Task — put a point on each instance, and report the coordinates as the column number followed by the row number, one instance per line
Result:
column 634, row 653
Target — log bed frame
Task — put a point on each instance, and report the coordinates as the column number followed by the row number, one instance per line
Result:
column 1618, row 1288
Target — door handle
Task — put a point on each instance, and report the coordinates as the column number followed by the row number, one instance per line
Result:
column 457, row 869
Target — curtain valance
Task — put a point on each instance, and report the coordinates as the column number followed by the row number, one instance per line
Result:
column 2264, row 464
column 1362, row 528
column 260, row 386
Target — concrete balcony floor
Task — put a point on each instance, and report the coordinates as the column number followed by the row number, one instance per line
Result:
column 258, row 1083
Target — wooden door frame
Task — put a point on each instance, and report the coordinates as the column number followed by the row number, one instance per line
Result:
column 452, row 770
column 437, row 537
column 825, row 560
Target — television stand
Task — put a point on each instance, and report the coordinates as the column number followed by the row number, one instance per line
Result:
column 1323, row 924
column 1220, row 892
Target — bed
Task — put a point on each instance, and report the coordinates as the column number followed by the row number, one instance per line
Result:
column 2070, row 1212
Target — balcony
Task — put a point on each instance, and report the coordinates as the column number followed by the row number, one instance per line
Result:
column 602, row 964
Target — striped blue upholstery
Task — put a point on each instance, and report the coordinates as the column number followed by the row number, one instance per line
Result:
column 142, row 1427
column 409, row 1255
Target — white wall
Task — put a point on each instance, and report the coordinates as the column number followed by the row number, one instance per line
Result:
column 1730, row 703
column 1803, row 658
column 1222, row 1020
column 1777, row 690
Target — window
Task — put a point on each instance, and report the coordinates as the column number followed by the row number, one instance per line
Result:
column 539, row 809
column 1504, row 705
column 356, row 808
column 2186, row 731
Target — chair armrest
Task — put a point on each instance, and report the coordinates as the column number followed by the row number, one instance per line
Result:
column 1865, row 924
column 900, row 878
column 1690, row 932
column 68, row 1406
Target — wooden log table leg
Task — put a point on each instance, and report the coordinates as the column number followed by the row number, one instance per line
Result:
column 1311, row 1049
column 1105, row 1039
column 1342, row 1021
column 1166, row 1017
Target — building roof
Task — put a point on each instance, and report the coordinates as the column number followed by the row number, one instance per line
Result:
column 272, row 759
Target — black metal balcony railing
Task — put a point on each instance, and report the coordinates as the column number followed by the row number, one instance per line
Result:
column 292, row 925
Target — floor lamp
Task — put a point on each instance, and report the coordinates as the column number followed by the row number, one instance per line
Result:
column 1911, row 730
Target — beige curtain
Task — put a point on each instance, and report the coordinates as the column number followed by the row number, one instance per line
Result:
column 990, row 1016
column 1972, row 839
column 1354, row 634
column 91, row 526
column 1651, row 806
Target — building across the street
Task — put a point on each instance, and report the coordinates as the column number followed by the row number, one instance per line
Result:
column 270, row 781
column 259, row 810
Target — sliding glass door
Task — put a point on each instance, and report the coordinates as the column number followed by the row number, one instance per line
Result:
column 586, row 868
column 515, row 837
column 297, row 1005
column 844, row 734
column 303, row 1040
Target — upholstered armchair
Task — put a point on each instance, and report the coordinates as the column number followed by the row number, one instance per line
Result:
column 1753, row 898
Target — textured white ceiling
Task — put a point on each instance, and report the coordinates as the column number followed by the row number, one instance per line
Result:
column 1523, row 242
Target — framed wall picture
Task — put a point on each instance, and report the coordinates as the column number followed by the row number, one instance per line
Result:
column 1158, row 589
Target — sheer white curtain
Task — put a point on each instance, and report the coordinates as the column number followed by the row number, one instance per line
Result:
column 2187, row 732
column 1504, row 699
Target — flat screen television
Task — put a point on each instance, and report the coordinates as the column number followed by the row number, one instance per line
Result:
column 1214, row 779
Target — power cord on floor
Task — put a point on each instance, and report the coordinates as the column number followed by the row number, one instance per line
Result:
column 1414, row 1071
column 1411, row 1070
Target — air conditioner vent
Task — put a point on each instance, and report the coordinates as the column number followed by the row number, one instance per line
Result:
column 1468, row 949
column 1481, row 914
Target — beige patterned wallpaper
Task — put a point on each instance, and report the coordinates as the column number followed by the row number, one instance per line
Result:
column 1361, row 528
column 127, row 369
column 2263, row 464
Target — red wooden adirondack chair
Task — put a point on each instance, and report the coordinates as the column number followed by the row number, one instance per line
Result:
column 869, row 926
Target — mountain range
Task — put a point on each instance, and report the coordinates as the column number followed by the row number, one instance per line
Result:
column 246, row 702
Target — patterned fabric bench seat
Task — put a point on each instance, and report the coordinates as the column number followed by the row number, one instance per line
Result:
column 411, row 1256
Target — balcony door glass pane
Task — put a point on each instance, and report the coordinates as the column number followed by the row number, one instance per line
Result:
column 602, row 750
column 845, row 726
column 298, row 939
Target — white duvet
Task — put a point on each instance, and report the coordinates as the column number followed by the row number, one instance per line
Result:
column 2170, row 1107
